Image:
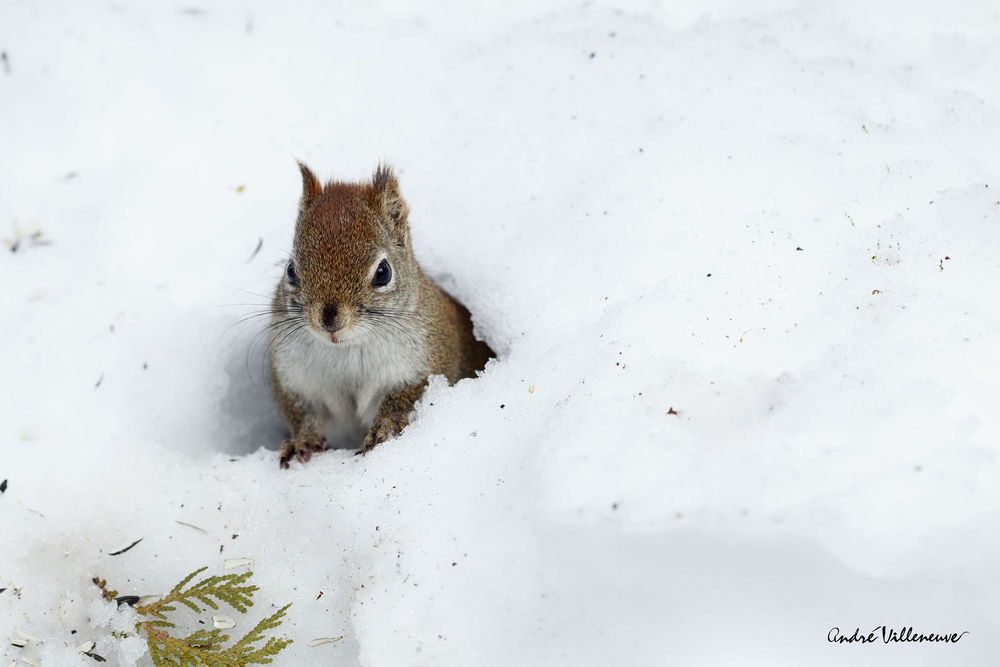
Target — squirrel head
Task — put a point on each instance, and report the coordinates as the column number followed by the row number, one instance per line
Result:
column 352, row 267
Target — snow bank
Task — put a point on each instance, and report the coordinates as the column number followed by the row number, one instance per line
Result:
column 739, row 262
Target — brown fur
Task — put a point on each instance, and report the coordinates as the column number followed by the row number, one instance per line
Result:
column 341, row 228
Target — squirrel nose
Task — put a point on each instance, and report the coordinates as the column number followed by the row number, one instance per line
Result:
column 329, row 317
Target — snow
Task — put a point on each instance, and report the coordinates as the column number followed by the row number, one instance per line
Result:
column 778, row 220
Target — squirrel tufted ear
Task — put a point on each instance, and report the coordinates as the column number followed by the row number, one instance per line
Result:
column 386, row 195
column 311, row 187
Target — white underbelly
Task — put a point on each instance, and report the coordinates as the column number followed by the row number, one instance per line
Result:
column 348, row 414
column 343, row 384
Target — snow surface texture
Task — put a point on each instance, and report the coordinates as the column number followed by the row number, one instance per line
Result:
column 780, row 221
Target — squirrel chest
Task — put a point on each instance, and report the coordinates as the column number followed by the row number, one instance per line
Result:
column 342, row 385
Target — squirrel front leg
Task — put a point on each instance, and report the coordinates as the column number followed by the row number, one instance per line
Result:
column 307, row 429
column 393, row 415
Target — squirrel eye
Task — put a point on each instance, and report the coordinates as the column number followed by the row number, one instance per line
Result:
column 291, row 276
column 383, row 274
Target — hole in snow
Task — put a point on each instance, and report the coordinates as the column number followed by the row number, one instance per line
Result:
column 249, row 416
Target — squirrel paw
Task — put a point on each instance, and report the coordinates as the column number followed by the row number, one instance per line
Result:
column 301, row 449
column 384, row 428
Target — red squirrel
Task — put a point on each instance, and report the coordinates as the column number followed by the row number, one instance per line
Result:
column 357, row 327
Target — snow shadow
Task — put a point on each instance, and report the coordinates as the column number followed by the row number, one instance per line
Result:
column 249, row 416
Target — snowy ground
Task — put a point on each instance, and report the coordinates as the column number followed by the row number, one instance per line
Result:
column 778, row 220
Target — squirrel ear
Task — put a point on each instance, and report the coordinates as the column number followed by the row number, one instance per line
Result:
column 386, row 195
column 310, row 187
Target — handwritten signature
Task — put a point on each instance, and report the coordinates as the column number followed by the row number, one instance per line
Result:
column 889, row 635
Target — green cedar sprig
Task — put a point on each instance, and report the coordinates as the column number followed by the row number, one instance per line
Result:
column 208, row 647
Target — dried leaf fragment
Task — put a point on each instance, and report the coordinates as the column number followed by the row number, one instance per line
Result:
column 319, row 641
